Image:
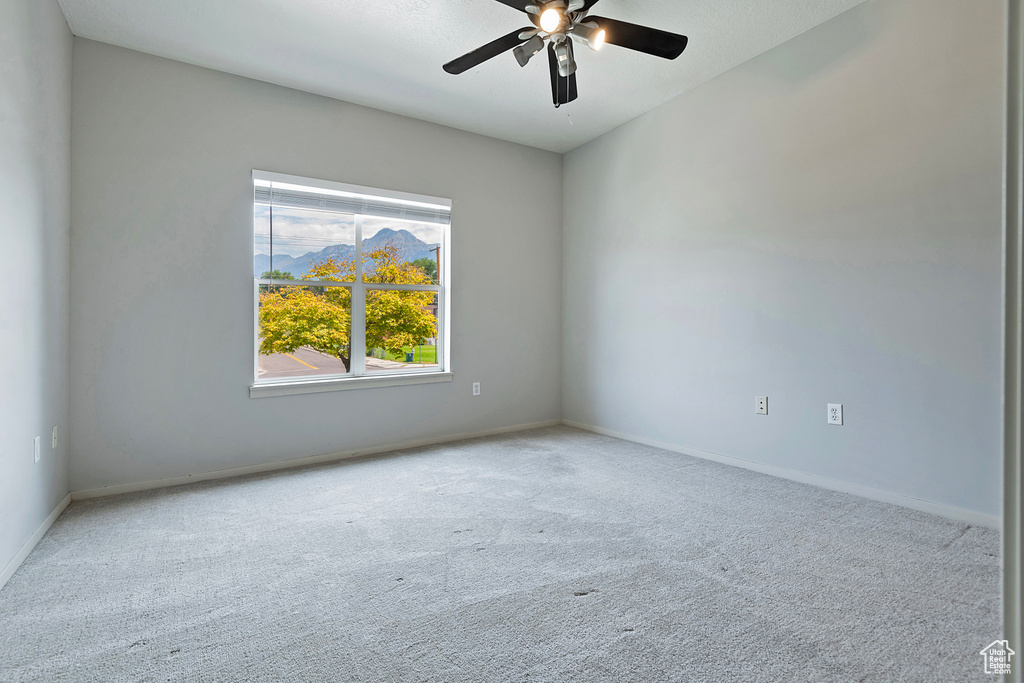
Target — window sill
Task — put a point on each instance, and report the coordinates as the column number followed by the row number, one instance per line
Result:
column 344, row 384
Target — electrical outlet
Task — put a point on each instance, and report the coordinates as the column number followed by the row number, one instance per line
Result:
column 476, row 388
column 53, row 439
column 835, row 413
column 35, row 446
column 761, row 405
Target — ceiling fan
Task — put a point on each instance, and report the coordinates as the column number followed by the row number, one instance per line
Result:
column 557, row 23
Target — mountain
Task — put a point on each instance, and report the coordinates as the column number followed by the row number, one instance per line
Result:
column 409, row 246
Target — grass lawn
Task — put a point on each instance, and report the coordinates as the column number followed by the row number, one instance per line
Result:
column 421, row 354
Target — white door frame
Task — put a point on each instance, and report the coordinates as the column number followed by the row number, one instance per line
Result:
column 1013, row 239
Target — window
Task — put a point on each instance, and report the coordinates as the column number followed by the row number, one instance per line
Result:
column 350, row 286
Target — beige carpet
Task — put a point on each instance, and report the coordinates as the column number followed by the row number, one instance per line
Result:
column 553, row 555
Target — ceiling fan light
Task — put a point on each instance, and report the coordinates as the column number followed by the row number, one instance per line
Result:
column 591, row 34
column 524, row 52
column 563, row 55
column 550, row 20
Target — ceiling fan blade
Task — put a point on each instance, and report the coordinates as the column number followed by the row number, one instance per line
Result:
column 641, row 38
column 563, row 90
column 570, row 91
column 485, row 52
column 518, row 4
column 588, row 4
column 570, row 82
column 553, row 68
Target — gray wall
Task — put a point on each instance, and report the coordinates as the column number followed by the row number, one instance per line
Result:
column 821, row 224
column 161, row 309
column 35, row 110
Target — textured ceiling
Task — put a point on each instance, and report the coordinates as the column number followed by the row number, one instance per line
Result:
column 388, row 54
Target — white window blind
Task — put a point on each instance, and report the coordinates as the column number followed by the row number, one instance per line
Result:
column 349, row 200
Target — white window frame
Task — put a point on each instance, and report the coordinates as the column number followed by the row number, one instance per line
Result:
column 357, row 378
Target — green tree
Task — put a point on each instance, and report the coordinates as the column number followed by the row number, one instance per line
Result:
column 428, row 266
column 276, row 275
column 321, row 317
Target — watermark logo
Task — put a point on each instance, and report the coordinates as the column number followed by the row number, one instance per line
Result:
column 997, row 657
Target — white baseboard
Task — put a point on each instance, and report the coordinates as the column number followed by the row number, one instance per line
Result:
column 959, row 514
column 296, row 462
column 16, row 561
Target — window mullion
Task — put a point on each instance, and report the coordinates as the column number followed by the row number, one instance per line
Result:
column 358, row 327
